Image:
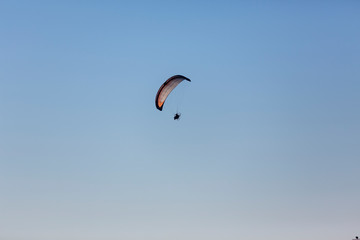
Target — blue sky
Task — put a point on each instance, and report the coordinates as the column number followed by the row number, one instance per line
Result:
column 268, row 143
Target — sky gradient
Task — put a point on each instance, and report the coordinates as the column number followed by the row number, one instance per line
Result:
column 267, row 147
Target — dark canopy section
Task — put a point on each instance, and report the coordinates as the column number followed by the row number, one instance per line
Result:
column 166, row 89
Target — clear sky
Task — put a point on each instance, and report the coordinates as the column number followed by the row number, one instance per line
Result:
column 267, row 147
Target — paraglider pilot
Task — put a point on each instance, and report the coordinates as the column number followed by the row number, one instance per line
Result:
column 177, row 116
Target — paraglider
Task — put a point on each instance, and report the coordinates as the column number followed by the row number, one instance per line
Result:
column 165, row 89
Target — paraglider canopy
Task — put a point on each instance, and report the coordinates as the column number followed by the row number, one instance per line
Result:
column 166, row 89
